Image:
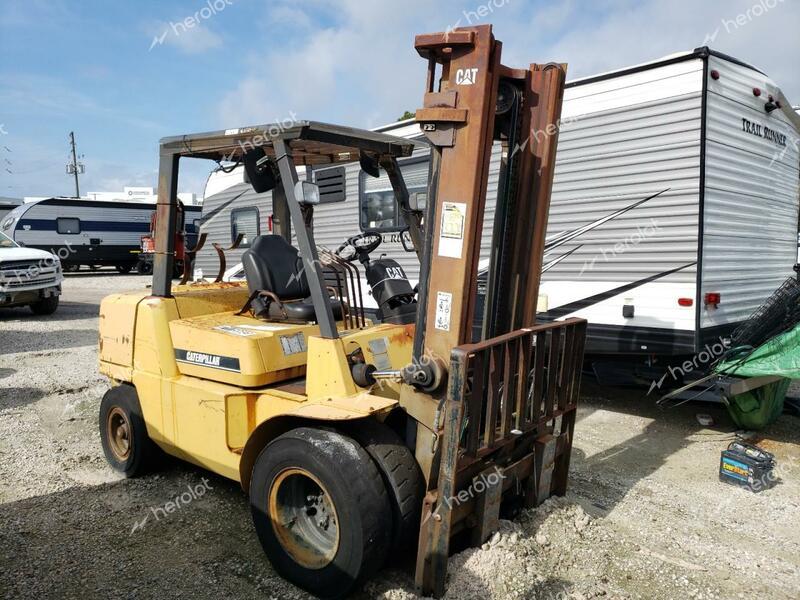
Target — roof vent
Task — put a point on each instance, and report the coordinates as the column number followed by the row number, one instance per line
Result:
column 331, row 182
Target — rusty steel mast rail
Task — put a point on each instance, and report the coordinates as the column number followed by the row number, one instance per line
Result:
column 504, row 406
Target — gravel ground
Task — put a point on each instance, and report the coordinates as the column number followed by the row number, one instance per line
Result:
column 645, row 516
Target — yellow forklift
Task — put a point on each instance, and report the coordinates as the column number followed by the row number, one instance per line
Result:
column 358, row 438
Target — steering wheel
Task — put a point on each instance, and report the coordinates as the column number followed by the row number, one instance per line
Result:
column 358, row 246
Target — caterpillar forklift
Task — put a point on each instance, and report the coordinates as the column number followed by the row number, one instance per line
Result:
column 359, row 439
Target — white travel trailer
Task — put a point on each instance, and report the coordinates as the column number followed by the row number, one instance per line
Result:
column 85, row 232
column 715, row 136
column 7, row 205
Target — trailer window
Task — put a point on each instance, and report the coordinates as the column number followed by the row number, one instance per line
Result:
column 66, row 226
column 245, row 221
column 378, row 207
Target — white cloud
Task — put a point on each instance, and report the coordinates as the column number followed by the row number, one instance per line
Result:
column 189, row 36
column 360, row 68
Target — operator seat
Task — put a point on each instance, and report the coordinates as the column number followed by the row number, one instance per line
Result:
column 273, row 266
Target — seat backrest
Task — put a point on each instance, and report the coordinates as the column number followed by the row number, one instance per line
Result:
column 272, row 264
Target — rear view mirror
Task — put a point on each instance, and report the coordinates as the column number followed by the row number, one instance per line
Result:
column 418, row 201
column 306, row 192
column 258, row 171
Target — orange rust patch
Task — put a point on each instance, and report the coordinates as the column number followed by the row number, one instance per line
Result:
column 405, row 334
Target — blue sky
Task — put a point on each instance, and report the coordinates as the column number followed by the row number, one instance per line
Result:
column 124, row 74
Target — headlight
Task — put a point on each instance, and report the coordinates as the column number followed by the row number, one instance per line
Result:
column 8, row 223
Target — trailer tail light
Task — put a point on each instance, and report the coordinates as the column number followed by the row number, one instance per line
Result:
column 713, row 299
column 270, row 223
column 685, row 302
column 756, row 92
column 714, row 74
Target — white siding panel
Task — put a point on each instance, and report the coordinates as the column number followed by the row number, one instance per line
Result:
column 751, row 196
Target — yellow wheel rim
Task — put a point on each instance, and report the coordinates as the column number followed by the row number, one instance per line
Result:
column 304, row 518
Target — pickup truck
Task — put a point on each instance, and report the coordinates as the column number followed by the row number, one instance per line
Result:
column 29, row 277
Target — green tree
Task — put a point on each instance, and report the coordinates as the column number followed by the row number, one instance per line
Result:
column 407, row 115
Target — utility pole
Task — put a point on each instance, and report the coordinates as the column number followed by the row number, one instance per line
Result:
column 74, row 168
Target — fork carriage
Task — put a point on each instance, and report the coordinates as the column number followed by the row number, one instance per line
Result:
column 509, row 419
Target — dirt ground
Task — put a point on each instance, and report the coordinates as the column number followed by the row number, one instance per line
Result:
column 645, row 517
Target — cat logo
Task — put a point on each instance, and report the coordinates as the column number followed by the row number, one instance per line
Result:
column 466, row 76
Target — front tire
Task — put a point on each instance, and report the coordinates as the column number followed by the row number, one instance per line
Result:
column 45, row 306
column 320, row 510
column 123, row 433
column 401, row 475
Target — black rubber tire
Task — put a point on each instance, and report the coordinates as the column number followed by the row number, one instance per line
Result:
column 143, row 450
column 45, row 306
column 401, row 475
column 357, row 493
column 124, row 269
column 72, row 268
column 144, row 268
column 177, row 269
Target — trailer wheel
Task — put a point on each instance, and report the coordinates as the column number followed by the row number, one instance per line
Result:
column 123, row 433
column 72, row 267
column 320, row 511
column 45, row 306
column 401, row 475
column 144, row 268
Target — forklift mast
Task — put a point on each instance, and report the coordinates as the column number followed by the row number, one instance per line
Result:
column 476, row 102
column 503, row 405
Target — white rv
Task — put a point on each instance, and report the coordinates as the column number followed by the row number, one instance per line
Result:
column 86, row 232
column 715, row 136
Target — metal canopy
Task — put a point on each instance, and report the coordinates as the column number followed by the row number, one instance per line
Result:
column 310, row 143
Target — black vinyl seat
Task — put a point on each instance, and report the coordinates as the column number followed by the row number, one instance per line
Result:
column 273, row 266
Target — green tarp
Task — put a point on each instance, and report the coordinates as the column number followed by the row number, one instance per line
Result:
column 779, row 356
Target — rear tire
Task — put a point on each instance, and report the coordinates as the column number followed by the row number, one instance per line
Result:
column 45, row 306
column 72, row 268
column 124, row 269
column 320, row 510
column 401, row 475
column 123, row 433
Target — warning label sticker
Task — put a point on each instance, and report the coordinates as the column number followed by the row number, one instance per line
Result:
column 233, row 330
column 451, row 239
column 249, row 330
column 444, row 304
column 292, row 344
column 380, row 353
